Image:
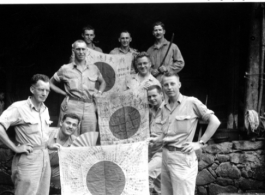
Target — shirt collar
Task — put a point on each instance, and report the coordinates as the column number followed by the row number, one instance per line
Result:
column 32, row 107
column 129, row 50
column 164, row 42
column 180, row 99
column 75, row 66
column 136, row 76
column 57, row 134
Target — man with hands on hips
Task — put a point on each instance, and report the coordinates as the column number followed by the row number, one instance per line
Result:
column 31, row 169
column 79, row 79
column 179, row 118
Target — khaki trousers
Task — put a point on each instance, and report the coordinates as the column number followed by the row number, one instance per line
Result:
column 31, row 173
column 179, row 172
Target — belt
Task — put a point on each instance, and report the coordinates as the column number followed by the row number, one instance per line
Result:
column 81, row 100
column 172, row 148
column 44, row 146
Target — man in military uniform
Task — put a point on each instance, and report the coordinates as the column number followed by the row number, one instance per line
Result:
column 125, row 39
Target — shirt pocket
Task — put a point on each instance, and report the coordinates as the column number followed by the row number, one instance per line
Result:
column 31, row 126
column 182, row 123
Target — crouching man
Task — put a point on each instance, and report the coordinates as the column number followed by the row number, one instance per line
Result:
column 61, row 137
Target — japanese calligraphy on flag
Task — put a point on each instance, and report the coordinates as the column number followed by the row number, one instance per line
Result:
column 105, row 170
column 115, row 69
column 123, row 117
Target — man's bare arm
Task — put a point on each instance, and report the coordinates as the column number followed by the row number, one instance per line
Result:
column 25, row 148
column 102, row 83
column 55, row 88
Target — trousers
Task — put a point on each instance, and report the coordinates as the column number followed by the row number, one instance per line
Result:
column 31, row 173
column 179, row 172
column 86, row 112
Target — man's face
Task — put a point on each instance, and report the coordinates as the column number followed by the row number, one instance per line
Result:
column 69, row 126
column 143, row 65
column 159, row 32
column 125, row 39
column 171, row 86
column 88, row 36
column 154, row 97
column 40, row 91
column 80, row 51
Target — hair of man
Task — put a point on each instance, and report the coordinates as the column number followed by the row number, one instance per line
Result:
column 77, row 41
column 158, row 88
column 35, row 78
column 169, row 74
column 88, row 27
column 125, row 31
column 159, row 24
column 141, row 55
column 71, row 115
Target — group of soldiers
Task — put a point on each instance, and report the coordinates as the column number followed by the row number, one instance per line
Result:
column 173, row 116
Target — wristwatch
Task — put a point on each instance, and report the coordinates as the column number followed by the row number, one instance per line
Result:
column 202, row 142
column 100, row 91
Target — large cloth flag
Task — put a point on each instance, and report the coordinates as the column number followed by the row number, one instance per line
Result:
column 123, row 117
column 115, row 69
column 105, row 170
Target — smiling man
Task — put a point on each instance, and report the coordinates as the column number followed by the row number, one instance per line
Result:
column 174, row 61
column 61, row 137
column 155, row 99
column 30, row 118
column 180, row 115
column 125, row 39
column 88, row 36
column 79, row 79
column 143, row 79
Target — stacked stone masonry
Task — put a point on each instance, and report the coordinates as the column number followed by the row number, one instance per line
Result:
column 231, row 167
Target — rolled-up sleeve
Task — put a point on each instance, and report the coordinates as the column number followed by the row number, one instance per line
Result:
column 201, row 110
column 59, row 75
column 10, row 117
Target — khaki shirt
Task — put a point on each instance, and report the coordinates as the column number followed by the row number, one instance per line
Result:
column 155, row 120
column 30, row 125
column 53, row 138
column 174, row 61
column 119, row 51
column 135, row 82
column 179, row 124
column 96, row 48
column 155, row 128
column 76, row 83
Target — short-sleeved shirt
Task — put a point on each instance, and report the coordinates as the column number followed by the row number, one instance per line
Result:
column 155, row 126
column 53, row 138
column 174, row 60
column 76, row 83
column 31, row 126
column 179, row 124
column 96, row 48
column 155, row 120
column 135, row 82
column 119, row 51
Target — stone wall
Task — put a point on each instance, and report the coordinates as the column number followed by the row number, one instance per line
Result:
column 231, row 167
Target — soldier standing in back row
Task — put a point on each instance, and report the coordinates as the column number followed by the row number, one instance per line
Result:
column 173, row 62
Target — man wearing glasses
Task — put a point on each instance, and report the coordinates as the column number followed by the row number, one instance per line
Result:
column 31, row 165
